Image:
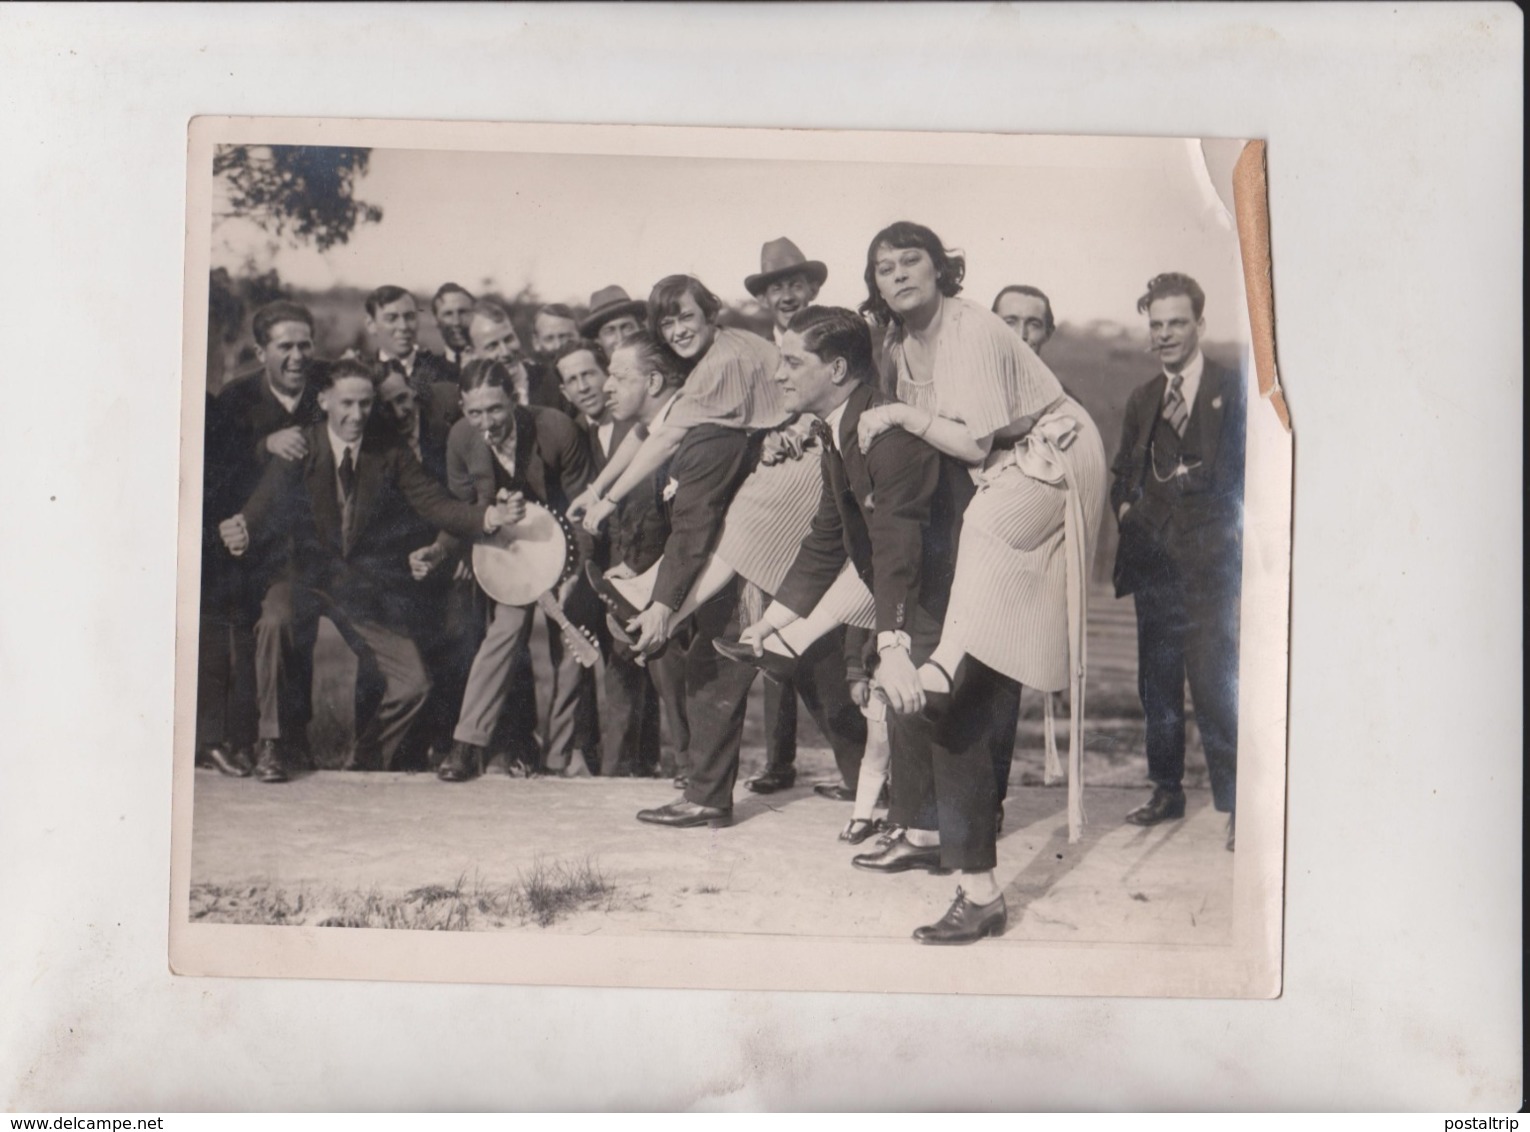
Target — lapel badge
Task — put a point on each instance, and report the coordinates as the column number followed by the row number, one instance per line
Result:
column 1216, row 402
column 670, row 488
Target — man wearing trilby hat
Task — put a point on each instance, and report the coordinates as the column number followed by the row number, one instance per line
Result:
column 613, row 316
column 787, row 282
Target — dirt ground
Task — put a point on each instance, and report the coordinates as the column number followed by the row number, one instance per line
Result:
column 346, row 841
column 779, row 869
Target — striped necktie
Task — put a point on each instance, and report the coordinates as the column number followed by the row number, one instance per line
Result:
column 1174, row 408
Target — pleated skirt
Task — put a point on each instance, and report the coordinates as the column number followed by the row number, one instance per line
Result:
column 769, row 517
column 1009, row 597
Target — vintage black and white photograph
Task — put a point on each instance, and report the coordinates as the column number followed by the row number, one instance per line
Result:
column 638, row 556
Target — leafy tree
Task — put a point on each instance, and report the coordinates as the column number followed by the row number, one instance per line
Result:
column 301, row 193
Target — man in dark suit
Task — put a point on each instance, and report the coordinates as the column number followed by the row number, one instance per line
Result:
column 495, row 339
column 349, row 506
column 1177, row 491
column 786, row 283
column 265, row 415
column 646, row 698
column 225, row 728
column 452, row 308
column 393, row 325
column 581, row 366
column 706, row 477
column 538, row 454
column 894, row 512
column 446, row 615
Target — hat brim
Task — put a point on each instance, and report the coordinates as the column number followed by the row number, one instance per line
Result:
column 598, row 318
column 812, row 268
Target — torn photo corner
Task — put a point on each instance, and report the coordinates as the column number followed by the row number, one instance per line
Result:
column 1032, row 752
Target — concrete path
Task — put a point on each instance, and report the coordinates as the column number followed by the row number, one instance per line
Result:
column 778, row 870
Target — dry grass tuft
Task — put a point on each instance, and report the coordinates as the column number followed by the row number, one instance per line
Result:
column 550, row 892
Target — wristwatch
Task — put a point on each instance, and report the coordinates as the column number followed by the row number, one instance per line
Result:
column 894, row 639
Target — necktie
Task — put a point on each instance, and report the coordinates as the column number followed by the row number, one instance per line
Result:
column 1174, row 409
column 823, row 434
column 347, row 475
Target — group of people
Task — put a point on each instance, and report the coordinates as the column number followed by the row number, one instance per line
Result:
column 900, row 538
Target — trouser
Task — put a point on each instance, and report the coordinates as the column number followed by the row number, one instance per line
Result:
column 943, row 776
column 389, row 666
column 717, row 695
column 573, row 717
column 448, row 633
column 780, row 724
column 1190, row 632
column 492, row 673
column 226, row 711
column 631, row 730
column 668, row 674
column 1006, row 725
column 281, row 646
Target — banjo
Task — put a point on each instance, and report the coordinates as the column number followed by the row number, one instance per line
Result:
column 520, row 564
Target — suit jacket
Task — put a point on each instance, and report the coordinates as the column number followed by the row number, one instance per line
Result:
column 1195, row 521
column 249, row 412
column 706, row 469
column 366, row 575
column 603, row 542
column 551, row 458
column 894, row 512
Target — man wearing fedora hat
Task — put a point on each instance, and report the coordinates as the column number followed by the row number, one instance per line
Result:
column 613, row 316
column 787, row 282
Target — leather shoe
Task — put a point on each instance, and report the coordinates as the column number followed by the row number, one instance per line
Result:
column 684, row 814
column 859, row 829
column 966, row 922
column 619, row 607
column 269, row 766
column 834, row 792
column 894, row 854
column 1164, row 805
column 235, row 764
column 1231, row 820
column 771, row 779
column 462, row 762
column 770, row 663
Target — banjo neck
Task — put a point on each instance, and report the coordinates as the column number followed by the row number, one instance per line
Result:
column 586, row 652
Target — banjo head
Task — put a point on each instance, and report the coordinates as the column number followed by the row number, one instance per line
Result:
column 519, row 563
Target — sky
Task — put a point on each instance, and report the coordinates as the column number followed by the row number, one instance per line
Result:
column 1089, row 222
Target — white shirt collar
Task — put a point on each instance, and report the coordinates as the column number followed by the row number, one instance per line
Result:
column 777, row 333
column 834, row 416
column 287, row 401
column 505, row 452
column 406, row 362
column 1192, row 375
column 603, row 434
column 338, row 447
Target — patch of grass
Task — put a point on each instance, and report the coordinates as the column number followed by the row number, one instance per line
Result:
column 707, row 890
column 550, row 892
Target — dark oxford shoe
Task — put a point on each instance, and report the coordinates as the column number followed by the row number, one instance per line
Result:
column 685, row 814
column 1164, row 805
column 462, row 762
column 894, row 854
column 770, row 663
column 235, row 764
column 966, row 922
column 269, row 765
column 771, row 779
column 834, row 792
